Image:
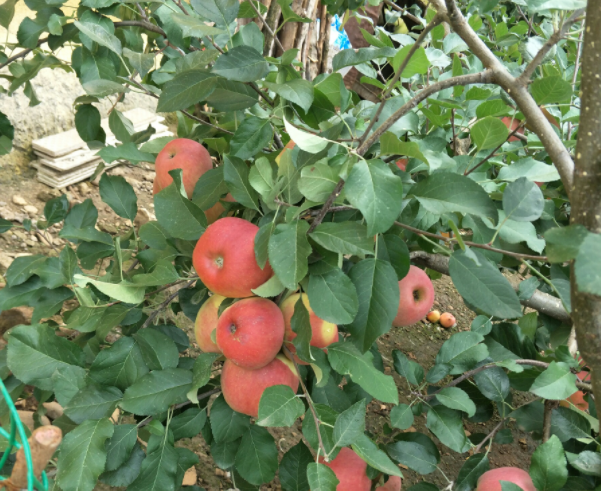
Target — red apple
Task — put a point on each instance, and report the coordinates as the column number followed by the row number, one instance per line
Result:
column 416, row 297
column 206, row 323
column 447, row 320
column 243, row 388
column 489, row 481
column 402, row 164
column 217, row 209
column 350, row 469
column 577, row 398
column 188, row 155
column 512, row 124
column 251, row 332
column 224, row 258
column 323, row 333
column 393, row 484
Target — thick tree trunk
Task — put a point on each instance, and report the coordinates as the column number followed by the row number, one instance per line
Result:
column 272, row 19
column 586, row 192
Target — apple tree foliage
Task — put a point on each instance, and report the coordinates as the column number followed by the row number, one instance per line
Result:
column 337, row 219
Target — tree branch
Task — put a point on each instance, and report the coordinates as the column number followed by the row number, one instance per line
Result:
column 164, row 305
column 518, row 92
column 547, row 416
column 22, row 54
column 326, row 206
column 525, row 77
column 472, row 78
column 141, row 23
column 490, row 436
column 539, row 301
column 438, row 18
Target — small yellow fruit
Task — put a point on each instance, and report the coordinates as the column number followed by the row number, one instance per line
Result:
column 433, row 316
column 448, row 320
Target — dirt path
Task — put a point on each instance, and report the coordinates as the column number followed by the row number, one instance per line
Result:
column 420, row 342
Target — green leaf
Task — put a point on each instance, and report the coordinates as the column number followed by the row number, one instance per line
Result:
column 271, row 288
column 300, row 324
column 125, row 291
column 412, row 371
column 235, row 174
column 471, row 471
column 186, row 89
column 279, row 406
column 289, row 250
column 551, row 90
column 447, row 425
column 116, row 192
column 56, row 209
column 333, row 297
column 141, row 62
column 227, row 425
column 222, row 12
column 5, row 225
column 293, row 468
column 159, row 468
column 346, row 359
column 391, row 145
column 189, row 423
column 378, row 293
column 83, row 455
column 232, row 96
column 376, row 192
column 7, row 12
column 158, row 351
column 251, row 136
column 401, row 416
column 489, row 133
column 22, row 268
column 201, row 373
column 20, row 295
column 156, row 391
column 127, row 151
column 298, row 91
column 548, row 467
column 193, row 26
column 444, row 192
column 586, row 268
column 241, row 64
column 464, row 350
column 534, row 170
column 121, row 127
column 350, row 57
column 35, row 352
column 483, row 286
column 179, row 216
column 523, row 201
column 415, row 450
column 587, row 462
column 128, row 472
column 493, row 383
column 257, row 457
column 350, row 425
column 317, row 182
column 67, row 381
column 393, row 249
column 92, row 402
column 224, row 453
column 418, row 63
column 307, row 142
column 100, row 35
column 563, row 243
column 344, row 238
column 321, row 478
column 376, row 458
column 556, row 383
column 326, row 415
column 120, row 446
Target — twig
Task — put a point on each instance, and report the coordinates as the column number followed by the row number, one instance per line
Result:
column 253, row 86
column 403, row 11
column 140, row 23
column 491, row 155
column 326, row 206
column 547, row 416
column 23, row 53
column 435, row 22
column 575, row 75
column 202, row 396
column 163, row 305
column 267, row 26
column 525, row 77
column 309, row 402
column 490, row 436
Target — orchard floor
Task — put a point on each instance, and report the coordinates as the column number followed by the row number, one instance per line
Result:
column 420, row 342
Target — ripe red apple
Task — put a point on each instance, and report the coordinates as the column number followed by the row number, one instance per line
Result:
column 393, row 484
column 188, row 155
column 206, row 323
column 243, row 388
column 577, row 398
column 402, row 164
column 217, row 209
column 251, row 332
column 416, row 297
column 224, row 258
column 323, row 333
column 447, row 320
column 433, row 316
column 350, row 469
column 489, row 481
column 512, row 124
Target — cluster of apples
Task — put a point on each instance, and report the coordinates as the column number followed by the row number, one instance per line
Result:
column 445, row 319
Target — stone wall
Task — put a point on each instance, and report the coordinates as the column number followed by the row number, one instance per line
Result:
column 56, row 89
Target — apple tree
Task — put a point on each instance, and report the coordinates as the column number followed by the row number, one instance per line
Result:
column 496, row 109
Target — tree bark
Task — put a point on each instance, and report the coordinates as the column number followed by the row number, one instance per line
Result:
column 586, row 200
column 272, row 19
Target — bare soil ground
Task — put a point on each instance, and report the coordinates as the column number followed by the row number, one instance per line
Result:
column 420, row 342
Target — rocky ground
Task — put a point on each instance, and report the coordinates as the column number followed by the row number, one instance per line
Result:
column 23, row 198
